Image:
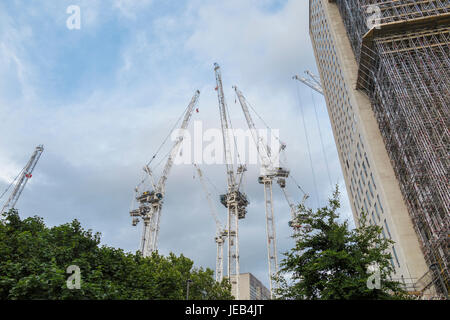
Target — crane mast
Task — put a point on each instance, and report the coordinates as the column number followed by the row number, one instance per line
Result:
column 234, row 200
column 221, row 234
column 313, row 82
column 268, row 173
column 25, row 175
column 150, row 202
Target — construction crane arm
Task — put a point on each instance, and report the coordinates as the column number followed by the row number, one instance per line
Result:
column 177, row 145
column 314, row 83
column 23, row 179
column 224, row 121
column 261, row 147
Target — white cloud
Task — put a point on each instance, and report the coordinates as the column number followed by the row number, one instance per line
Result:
column 95, row 147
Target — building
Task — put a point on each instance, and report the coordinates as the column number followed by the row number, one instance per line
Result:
column 250, row 288
column 387, row 91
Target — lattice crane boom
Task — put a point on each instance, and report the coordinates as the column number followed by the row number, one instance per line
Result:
column 177, row 144
column 224, row 122
column 261, row 147
column 25, row 175
column 313, row 82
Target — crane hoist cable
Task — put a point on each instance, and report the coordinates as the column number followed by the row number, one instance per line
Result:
column 269, row 128
column 264, row 123
column 321, row 139
column 234, row 137
column 168, row 136
column 12, row 183
column 162, row 145
column 308, row 144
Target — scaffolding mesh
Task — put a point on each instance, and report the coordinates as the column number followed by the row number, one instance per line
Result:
column 406, row 74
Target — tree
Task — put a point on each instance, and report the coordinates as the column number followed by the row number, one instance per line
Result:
column 330, row 261
column 34, row 260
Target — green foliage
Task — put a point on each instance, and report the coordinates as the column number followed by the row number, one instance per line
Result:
column 34, row 259
column 330, row 261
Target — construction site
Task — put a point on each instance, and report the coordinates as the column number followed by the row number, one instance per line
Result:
column 403, row 68
column 150, row 194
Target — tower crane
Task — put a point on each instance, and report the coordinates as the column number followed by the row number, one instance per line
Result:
column 24, row 176
column 268, row 173
column 151, row 201
column 313, row 82
column 234, row 200
column 221, row 233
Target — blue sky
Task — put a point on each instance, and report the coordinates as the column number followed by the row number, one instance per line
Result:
column 101, row 99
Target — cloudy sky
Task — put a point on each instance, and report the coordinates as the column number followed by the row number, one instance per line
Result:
column 102, row 99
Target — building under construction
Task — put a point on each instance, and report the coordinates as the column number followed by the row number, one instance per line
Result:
column 393, row 57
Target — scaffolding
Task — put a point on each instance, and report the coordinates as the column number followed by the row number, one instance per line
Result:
column 404, row 67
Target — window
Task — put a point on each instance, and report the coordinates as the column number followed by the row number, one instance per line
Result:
column 395, row 255
column 364, row 167
column 368, row 199
column 377, row 211
column 379, row 203
column 387, row 228
column 370, row 189
column 367, row 160
column 373, row 181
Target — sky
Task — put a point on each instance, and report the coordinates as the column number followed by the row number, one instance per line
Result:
column 102, row 98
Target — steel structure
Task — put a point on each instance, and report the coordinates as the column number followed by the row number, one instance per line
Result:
column 221, row 233
column 24, row 176
column 404, row 67
column 313, row 82
column 268, row 173
column 150, row 202
column 234, row 200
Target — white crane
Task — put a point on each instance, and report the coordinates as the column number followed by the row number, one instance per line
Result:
column 221, row 233
column 313, row 82
column 24, row 176
column 268, row 173
column 150, row 202
column 234, row 200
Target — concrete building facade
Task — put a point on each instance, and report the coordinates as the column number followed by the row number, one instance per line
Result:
column 250, row 288
column 376, row 182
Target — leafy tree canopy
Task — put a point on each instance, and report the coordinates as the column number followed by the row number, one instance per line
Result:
column 34, row 260
column 330, row 261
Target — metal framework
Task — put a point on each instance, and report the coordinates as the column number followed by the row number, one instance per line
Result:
column 221, row 233
column 313, row 82
column 234, row 200
column 405, row 70
column 150, row 202
column 268, row 174
column 24, row 176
